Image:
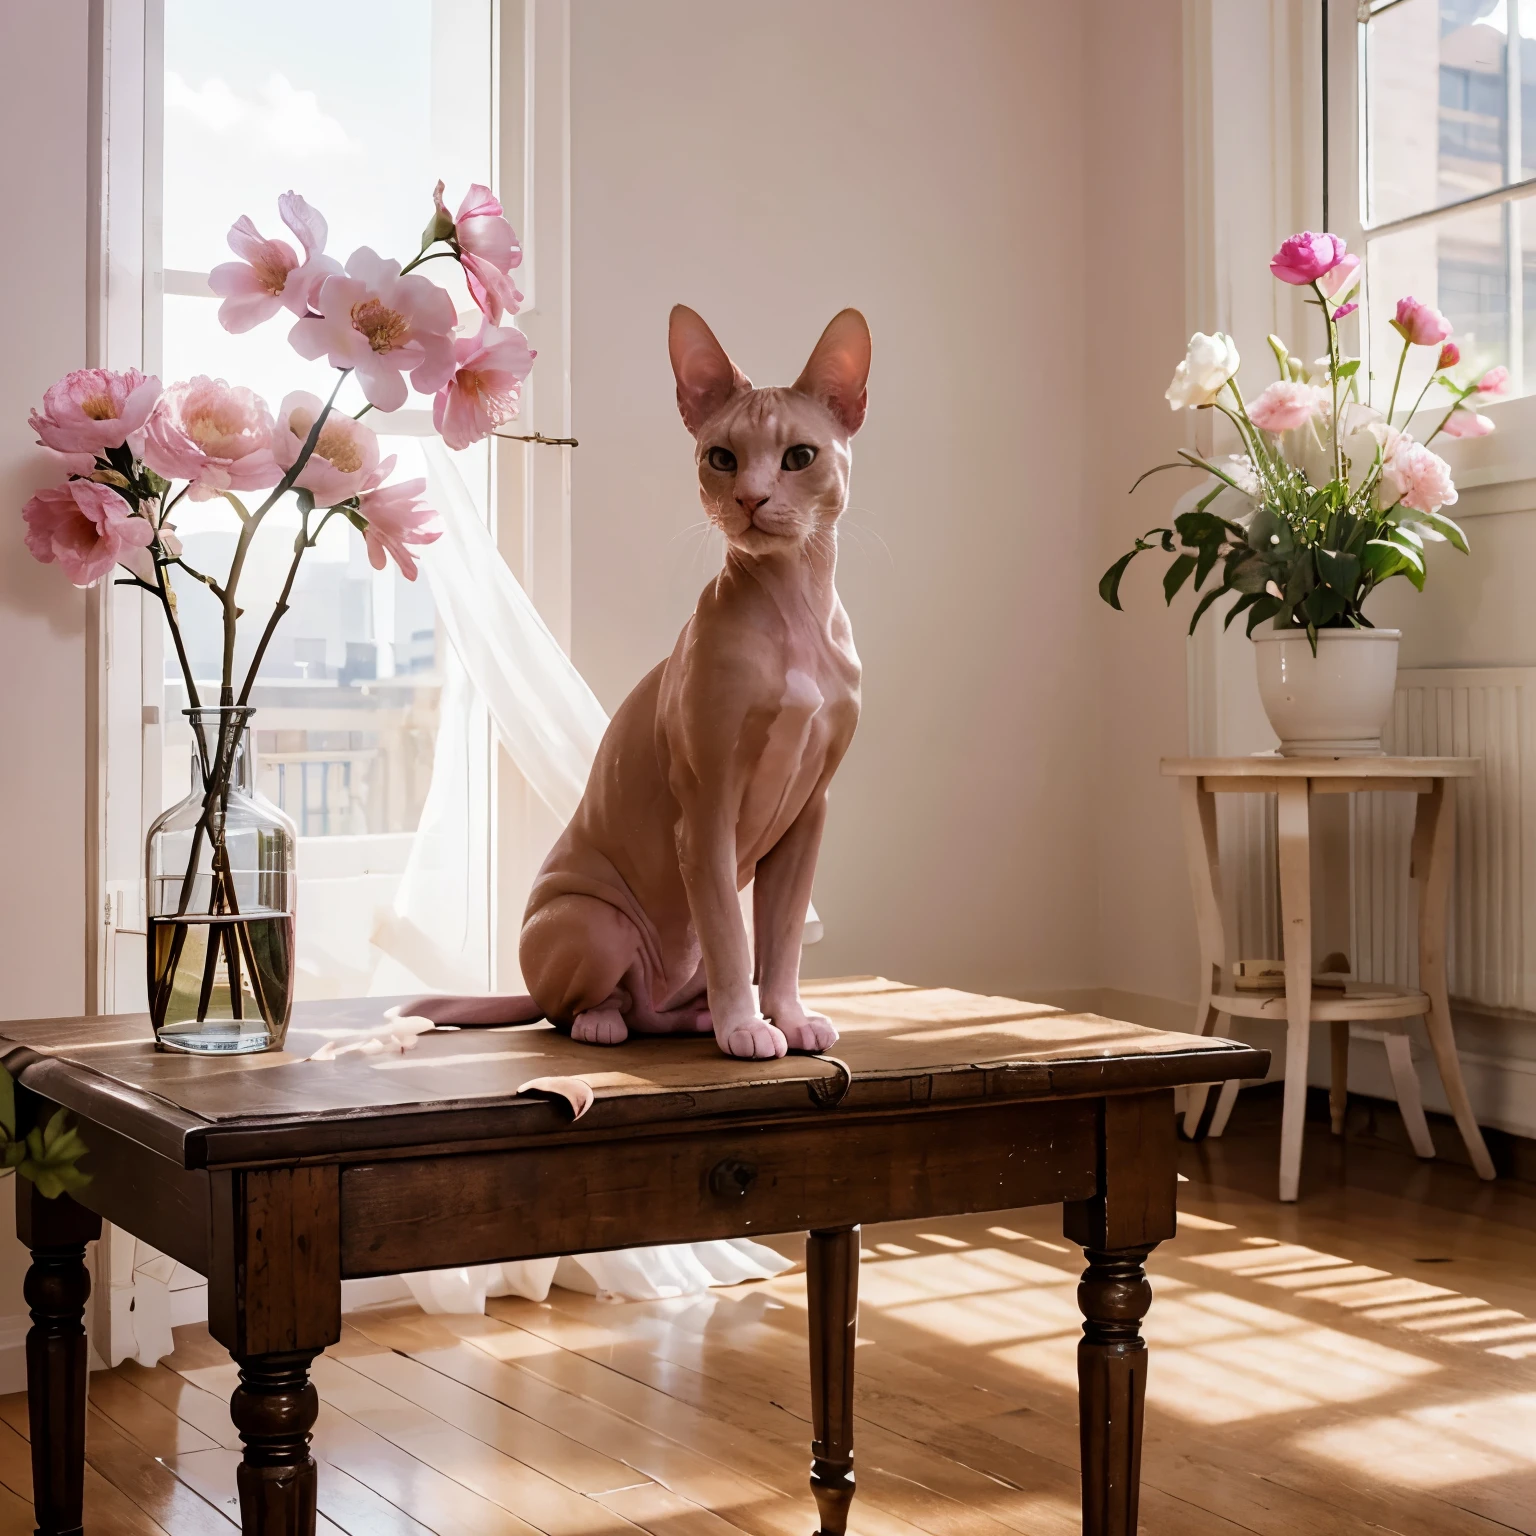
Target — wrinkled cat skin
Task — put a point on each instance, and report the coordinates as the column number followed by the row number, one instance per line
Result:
column 715, row 769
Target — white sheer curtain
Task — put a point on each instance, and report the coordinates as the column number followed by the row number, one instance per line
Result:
column 505, row 661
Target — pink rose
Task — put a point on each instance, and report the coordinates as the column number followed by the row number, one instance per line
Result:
column 382, row 325
column 1417, row 478
column 346, row 453
column 1286, row 405
column 1306, row 257
column 1345, row 309
column 488, row 250
column 1340, row 278
column 269, row 276
column 1494, row 382
column 483, row 392
column 216, row 436
column 1420, row 324
column 396, row 521
column 1450, row 355
column 85, row 527
column 1463, row 423
column 91, row 410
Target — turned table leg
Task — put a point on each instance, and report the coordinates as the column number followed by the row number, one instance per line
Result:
column 1112, row 1387
column 56, row 1290
column 832, row 1286
column 274, row 1408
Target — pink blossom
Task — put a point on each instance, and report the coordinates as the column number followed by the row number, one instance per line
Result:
column 1450, row 355
column 488, row 250
column 1345, row 309
column 85, row 527
column 1417, row 478
column 346, row 453
column 216, row 436
column 269, row 276
column 1306, row 257
column 1340, row 278
column 1420, row 324
column 382, row 325
column 91, row 410
column 483, row 392
column 1494, row 382
column 395, row 521
column 1462, row 423
column 1285, row 405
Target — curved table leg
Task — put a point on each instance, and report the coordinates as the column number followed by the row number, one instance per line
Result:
column 1434, row 857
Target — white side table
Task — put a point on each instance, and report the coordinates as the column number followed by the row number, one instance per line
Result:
column 1294, row 780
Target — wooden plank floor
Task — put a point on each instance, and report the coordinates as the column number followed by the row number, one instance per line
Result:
column 1363, row 1362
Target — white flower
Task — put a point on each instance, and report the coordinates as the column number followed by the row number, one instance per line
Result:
column 1209, row 363
column 1242, row 474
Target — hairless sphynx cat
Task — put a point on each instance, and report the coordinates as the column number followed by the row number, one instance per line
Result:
column 714, row 771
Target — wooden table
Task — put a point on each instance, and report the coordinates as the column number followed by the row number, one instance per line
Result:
column 278, row 1177
column 1294, row 781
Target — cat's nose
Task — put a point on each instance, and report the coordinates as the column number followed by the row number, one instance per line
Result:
column 750, row 503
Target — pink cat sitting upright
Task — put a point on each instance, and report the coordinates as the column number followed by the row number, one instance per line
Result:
column 715, row 769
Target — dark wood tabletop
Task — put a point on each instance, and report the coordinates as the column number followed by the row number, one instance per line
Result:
column 277, row 1176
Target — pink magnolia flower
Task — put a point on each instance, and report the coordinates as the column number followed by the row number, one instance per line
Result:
column 1450, row 355
column 1417, row 478
column 382, row 325
column 1464, row 423
column 84, row 527
column 488, row 250
column 269, row 276
column 1345, row 309
column 1285, row 405
column 483, row 392
column 1420, row 324
column 214, row 435
column 1494, row 382
column 1340, row 279
column 395, row 520
column 1306, row 257
column 346, row 452
column 91, row 410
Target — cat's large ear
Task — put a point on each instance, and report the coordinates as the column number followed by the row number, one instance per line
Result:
column 839, row 369
column 706, row 377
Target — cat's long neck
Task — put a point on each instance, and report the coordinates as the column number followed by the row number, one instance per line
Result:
column 800, row 577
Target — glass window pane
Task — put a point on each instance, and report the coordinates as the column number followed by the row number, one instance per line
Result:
column 1440, row 81
column 1461, row 265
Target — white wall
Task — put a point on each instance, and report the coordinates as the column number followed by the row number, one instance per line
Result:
column 42, row 618
column 927, row 162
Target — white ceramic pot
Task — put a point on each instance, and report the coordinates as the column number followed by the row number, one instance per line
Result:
column 1333, row 704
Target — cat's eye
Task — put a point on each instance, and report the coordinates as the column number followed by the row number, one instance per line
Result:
column 798, row 457
column 722, row 460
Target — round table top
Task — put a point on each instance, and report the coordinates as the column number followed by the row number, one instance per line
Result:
column 1270, row 765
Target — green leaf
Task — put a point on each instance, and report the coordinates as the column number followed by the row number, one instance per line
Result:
column 1210, row 553
column 1322, row 605
column 7, row 1104
column 1265, row 608
column 1247, row 600
column 1204, row 603
column 1250, row 575
column 1446, row 528
column 1176, row 575
column 1339, row 571
column 1156, row 468
column 1198, row 527
column 52, row 1154
column 1348, row 370
column 1109, row 582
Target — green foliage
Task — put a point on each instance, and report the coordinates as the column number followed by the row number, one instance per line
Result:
column 49, row 1154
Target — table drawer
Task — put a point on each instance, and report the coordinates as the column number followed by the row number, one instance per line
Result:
column 580, row 1196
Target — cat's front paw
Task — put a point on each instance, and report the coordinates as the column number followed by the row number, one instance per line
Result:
column 600, row 1026
column 805, row 1031
column 754, row 1040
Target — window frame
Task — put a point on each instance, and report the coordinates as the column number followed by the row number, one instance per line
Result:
column 1493, row 474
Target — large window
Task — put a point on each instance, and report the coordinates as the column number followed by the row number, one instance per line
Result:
column 360, row 109
column 1448, row 165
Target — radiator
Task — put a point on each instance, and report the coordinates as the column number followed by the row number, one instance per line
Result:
column 1483, row 712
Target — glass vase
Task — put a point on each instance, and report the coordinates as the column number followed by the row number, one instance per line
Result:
column 221, row 885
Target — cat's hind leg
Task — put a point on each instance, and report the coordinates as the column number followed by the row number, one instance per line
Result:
column 575, row 952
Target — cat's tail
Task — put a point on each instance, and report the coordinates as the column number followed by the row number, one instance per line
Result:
column 474, row 1012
